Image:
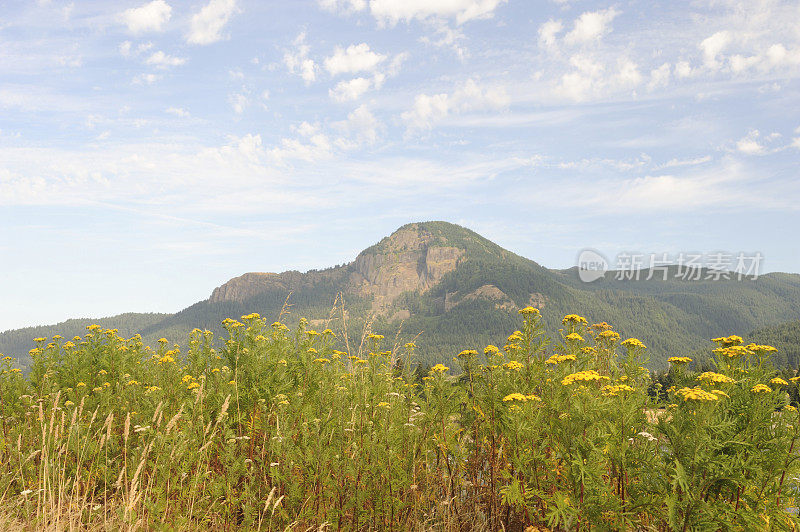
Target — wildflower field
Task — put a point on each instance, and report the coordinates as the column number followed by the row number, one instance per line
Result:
column 294, row 429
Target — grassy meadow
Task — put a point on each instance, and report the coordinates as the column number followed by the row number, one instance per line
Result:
column 298, row 430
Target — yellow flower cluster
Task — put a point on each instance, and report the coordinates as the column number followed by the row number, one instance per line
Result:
column 514, row 365
column 779, row 381
column 583, row 376
column 679, row 360
column 574, row 337
column 633, row 342
column 710, row 377
column 516, row 396
column 761, row 388
column 528, row 311
column 321, row 360
column 727, row 341
column 558, row 359
column 490, row 350
column 251, row 316
column 733, row 351
column 608, row 335
column 468, row 353
column 574, row 319
column 439, row 368
column 697, row 394
column 613, row 390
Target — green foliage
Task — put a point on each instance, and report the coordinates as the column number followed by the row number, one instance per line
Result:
column 277, row 428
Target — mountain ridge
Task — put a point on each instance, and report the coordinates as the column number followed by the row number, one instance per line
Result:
column 462, row 290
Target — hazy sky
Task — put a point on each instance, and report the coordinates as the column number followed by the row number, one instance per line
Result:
column 149, row 151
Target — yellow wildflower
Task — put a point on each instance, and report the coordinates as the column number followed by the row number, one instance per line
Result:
column 574, row 337
column 574, row 319
column 516, row 396
column 583, row 376
column 761, row 388
column 679, row 360
column 528, row 311
column 696, row 394
column 439, row 368
column 633, row 342
column 514, row 365
column 709, row 377
column 779, row 381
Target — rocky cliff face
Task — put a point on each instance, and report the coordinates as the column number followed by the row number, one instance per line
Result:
column 408, row 260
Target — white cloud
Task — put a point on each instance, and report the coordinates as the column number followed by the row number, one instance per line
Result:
column 177, row 111
column 591, row 26
column 672, row 163
column 428, row 110
column 356, row 58
column 148, row 79
column 749, row 144
column 148, row 17
column 343, row 5
column 796, row 143
column 125, row 48
column 592, row 78
column 161, row 60
column 312, row 145
column 713, row 46
column 548, row 32
column 659, row 77
column 350, row 90
column 208, row 23
column 362, row 125
column 239, row 102
column 393, row 11
column 298, row 61
column 683, row 69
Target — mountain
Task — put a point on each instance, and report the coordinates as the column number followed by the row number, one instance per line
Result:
column 451, row 289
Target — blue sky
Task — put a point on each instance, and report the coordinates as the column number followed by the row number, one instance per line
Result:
column 149, row 151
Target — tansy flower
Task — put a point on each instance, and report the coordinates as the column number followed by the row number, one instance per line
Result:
column 616, row 389
column 528, row 311
column 761, row 388
column 374, row 336
column 573, row 319
column 410, row 345
column 710, row 377
column 720, row 393
column 558, row 359
column 574, row 337
column 696, row 394
column 583, row 376
column 439, row 368
column 516, row 396
column 467, row 353
column 490, row 350
column 679, row 360
column 608, row 335
column 514, row 365
column 778, row 380
column 321, row 360
column 633, row 342
column 193, row 385
column 383, row 404
column 727, row 341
